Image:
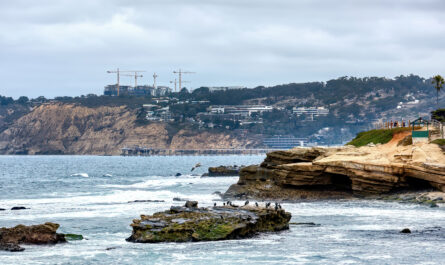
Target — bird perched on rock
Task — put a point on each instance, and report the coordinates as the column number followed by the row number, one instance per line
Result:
column 256, row 204
column 214, row 205
column 224, row 203
column 267, row 205
column 246, row 203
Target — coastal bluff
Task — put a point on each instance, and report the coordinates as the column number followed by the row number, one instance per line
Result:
column 74, row 129
column 342, row 172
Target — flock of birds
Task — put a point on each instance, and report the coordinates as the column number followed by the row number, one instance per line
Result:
column 267, row 205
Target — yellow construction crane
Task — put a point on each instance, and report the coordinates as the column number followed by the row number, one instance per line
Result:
column 118, row 73
column 180, row 72
column 175, row 82
column 135, row 75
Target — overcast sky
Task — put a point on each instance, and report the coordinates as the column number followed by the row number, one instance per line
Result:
column 65, row 47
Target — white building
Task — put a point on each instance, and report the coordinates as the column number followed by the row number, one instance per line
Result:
column 320, row 111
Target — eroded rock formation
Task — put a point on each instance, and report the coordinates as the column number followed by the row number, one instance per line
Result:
column 342, row 172
column 11, row 238
column 190, row 223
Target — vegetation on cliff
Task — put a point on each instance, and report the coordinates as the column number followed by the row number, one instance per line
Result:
column 378, row 136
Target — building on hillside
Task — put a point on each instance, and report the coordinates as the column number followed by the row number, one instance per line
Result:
column 314, row 111
column 242, row 110
column 141, row 91
column 284, row 142
column 224, row 88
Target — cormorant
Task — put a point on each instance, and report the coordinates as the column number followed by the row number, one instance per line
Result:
column 214, row 205
column 256, row 204
column 224, row 203
column 247, row 202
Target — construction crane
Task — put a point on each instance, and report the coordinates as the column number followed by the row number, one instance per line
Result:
column 175, row 82
column 154, row 80
column 118, row 73
column 135, row 75
column 180, row 72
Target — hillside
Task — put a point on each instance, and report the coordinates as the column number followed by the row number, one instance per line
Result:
column 74, row 129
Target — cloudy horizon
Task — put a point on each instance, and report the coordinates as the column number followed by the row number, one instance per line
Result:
column 54, row 48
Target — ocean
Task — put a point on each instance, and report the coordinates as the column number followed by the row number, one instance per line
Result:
column 92, row 196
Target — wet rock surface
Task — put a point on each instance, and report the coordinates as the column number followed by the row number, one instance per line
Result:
column 11, row 238
column 187, row 224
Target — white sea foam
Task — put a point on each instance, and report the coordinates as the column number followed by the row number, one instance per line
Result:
column 83, row 175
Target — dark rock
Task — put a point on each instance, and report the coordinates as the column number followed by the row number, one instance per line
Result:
column 305, row 224
column 2, row 209
column 33, row 234
column 178, row 175
column 146, row 201
column 18, row 208
column 406, row 231
column 111, row 248
column 191, row 204
column 222, row 171
column 177, row 199
column 181, row 224
column 10, row 247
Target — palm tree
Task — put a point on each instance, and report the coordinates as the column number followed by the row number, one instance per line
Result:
column 439, row 82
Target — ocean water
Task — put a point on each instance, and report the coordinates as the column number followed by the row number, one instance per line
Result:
column 90, row 195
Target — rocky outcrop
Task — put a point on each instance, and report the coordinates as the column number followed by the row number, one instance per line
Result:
column 190, row 223
column 75, row 129
column 11, row 238
column 222, row 171
column 341, row 172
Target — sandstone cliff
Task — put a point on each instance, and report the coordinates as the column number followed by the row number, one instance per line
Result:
column 73, row 129
column 343, row 172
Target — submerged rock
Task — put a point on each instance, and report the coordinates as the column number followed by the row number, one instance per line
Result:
column 73, row 237
column 186, row 224
column 406, row 231
column 11, row 247
column 15, row 208
column 146, row 201
column 10, row 238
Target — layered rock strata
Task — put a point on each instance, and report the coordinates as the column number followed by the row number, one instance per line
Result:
column 342, row 172
column 190, row 223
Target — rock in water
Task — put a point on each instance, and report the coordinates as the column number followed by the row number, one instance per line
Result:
column 10, row 247
column 15, row 208
column 182, row 224
column 191, row 204
column 406, row 231
column 10, row 238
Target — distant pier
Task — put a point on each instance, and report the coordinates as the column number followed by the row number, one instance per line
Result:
column 143, row 151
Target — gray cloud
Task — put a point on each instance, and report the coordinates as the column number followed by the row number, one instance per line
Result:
column 64, row 47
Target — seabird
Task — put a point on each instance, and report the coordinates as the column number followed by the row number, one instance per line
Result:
column 256, row 204
column 267, row 205
column 247, row 202
column 214, row 205
column 276, row 207
column 224, row 203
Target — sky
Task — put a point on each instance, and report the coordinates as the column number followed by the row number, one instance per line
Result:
column 65, row 47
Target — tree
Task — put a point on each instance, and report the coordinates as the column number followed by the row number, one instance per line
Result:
column 438, row 82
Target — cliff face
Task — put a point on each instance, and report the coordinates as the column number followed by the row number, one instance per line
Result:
column 343, row 172
column 73, row 129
